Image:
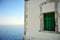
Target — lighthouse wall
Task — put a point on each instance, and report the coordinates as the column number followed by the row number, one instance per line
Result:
column 59, row 17
column 33, row 21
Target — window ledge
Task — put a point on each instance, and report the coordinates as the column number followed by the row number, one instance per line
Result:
column 49, row 32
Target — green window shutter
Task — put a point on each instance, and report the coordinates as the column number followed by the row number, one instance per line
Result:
column 49, row 21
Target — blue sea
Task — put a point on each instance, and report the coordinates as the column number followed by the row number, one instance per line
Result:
column 11, row 32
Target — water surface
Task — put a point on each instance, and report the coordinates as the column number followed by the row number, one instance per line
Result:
column 11, row 32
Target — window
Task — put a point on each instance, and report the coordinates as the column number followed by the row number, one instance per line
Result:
column 49, row 21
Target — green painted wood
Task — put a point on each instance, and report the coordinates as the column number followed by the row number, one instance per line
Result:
column 49, row 21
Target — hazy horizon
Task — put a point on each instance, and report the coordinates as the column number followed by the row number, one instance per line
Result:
column 11, row 12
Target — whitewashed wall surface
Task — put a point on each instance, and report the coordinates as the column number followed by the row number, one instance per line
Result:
column 33, row 21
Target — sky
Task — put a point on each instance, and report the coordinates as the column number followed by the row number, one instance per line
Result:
column 11, row 12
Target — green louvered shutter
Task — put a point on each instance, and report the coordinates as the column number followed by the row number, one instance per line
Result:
column 49, row 21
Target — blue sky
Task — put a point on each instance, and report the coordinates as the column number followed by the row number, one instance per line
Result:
column 12, row 10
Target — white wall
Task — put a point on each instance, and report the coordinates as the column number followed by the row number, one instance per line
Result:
column 59, row 17
column 59, row 24
column 48, row 7
column 33, row 15
column 33, row 22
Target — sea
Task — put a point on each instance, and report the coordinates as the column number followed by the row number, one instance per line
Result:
column 11, row 32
